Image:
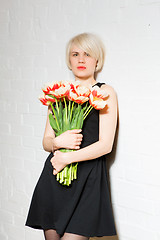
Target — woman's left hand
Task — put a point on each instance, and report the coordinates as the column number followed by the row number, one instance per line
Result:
column 59, row 161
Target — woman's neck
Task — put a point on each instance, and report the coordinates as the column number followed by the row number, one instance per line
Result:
column 86, row 82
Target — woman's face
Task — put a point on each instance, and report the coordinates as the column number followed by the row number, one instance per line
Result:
column 82, row 64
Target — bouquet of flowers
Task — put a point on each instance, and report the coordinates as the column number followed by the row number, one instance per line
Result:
column 71, row 103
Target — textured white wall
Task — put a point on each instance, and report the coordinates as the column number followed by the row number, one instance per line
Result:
column 33, row 34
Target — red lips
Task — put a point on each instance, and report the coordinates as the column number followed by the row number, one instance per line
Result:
column 81, row 67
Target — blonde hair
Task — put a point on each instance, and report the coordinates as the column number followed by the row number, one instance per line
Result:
column 89, row 43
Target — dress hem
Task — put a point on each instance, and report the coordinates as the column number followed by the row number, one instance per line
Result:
column 39, row 227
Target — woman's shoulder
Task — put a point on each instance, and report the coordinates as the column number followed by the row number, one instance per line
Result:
column 108, row 88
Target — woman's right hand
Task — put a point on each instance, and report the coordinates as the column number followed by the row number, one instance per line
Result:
column 71, row 139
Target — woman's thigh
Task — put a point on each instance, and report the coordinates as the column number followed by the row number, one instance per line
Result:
column 71, row 236
column 51, row 234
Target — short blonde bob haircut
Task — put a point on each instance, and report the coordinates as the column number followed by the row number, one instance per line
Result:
column 89, row 43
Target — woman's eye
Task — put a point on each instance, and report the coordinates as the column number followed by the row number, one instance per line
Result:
column 75, row 54
column 87, row 54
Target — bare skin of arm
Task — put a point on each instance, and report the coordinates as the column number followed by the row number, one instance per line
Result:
column 107, row 128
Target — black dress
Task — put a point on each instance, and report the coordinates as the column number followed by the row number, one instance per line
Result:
column 83, row 208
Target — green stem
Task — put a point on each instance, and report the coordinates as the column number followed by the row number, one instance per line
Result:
column 71, row 110
column 69, row 106
column 55, row 115
column 57, row 106
column 65, row 106
column 87, row 112
column 87, row 109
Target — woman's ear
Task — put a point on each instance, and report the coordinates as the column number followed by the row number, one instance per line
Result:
column 70, row 65
column 96, row 66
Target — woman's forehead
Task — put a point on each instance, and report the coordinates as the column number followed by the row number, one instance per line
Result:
column 75, row 48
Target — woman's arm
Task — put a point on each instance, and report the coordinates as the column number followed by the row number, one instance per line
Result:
column 49, row 135
column 107, row 128
column 70, row 139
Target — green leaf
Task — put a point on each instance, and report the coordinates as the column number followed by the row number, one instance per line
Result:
column 56, row 115
column 69, row 110
column 53, row 122
column 74, row 117
column 80, row 120
column 65, row 121
column 77, row 118
column 84, row 107
column 60, row 114
column 74, row 121
column 51, row 96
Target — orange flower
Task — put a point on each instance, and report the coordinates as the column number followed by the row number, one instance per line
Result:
column 78, row 93
column 72, row 95
column 81, row 90
column 62, row 91
column 81, row 99
column 46, row 100
column 78, row 99
column 51, row 87
column 57, row 89
column 97, row 97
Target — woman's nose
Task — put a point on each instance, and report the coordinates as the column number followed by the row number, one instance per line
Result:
column 81, row 58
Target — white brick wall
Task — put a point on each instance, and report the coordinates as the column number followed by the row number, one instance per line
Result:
column 33, row 35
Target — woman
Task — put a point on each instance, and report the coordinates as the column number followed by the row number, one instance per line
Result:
column 82, row 210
